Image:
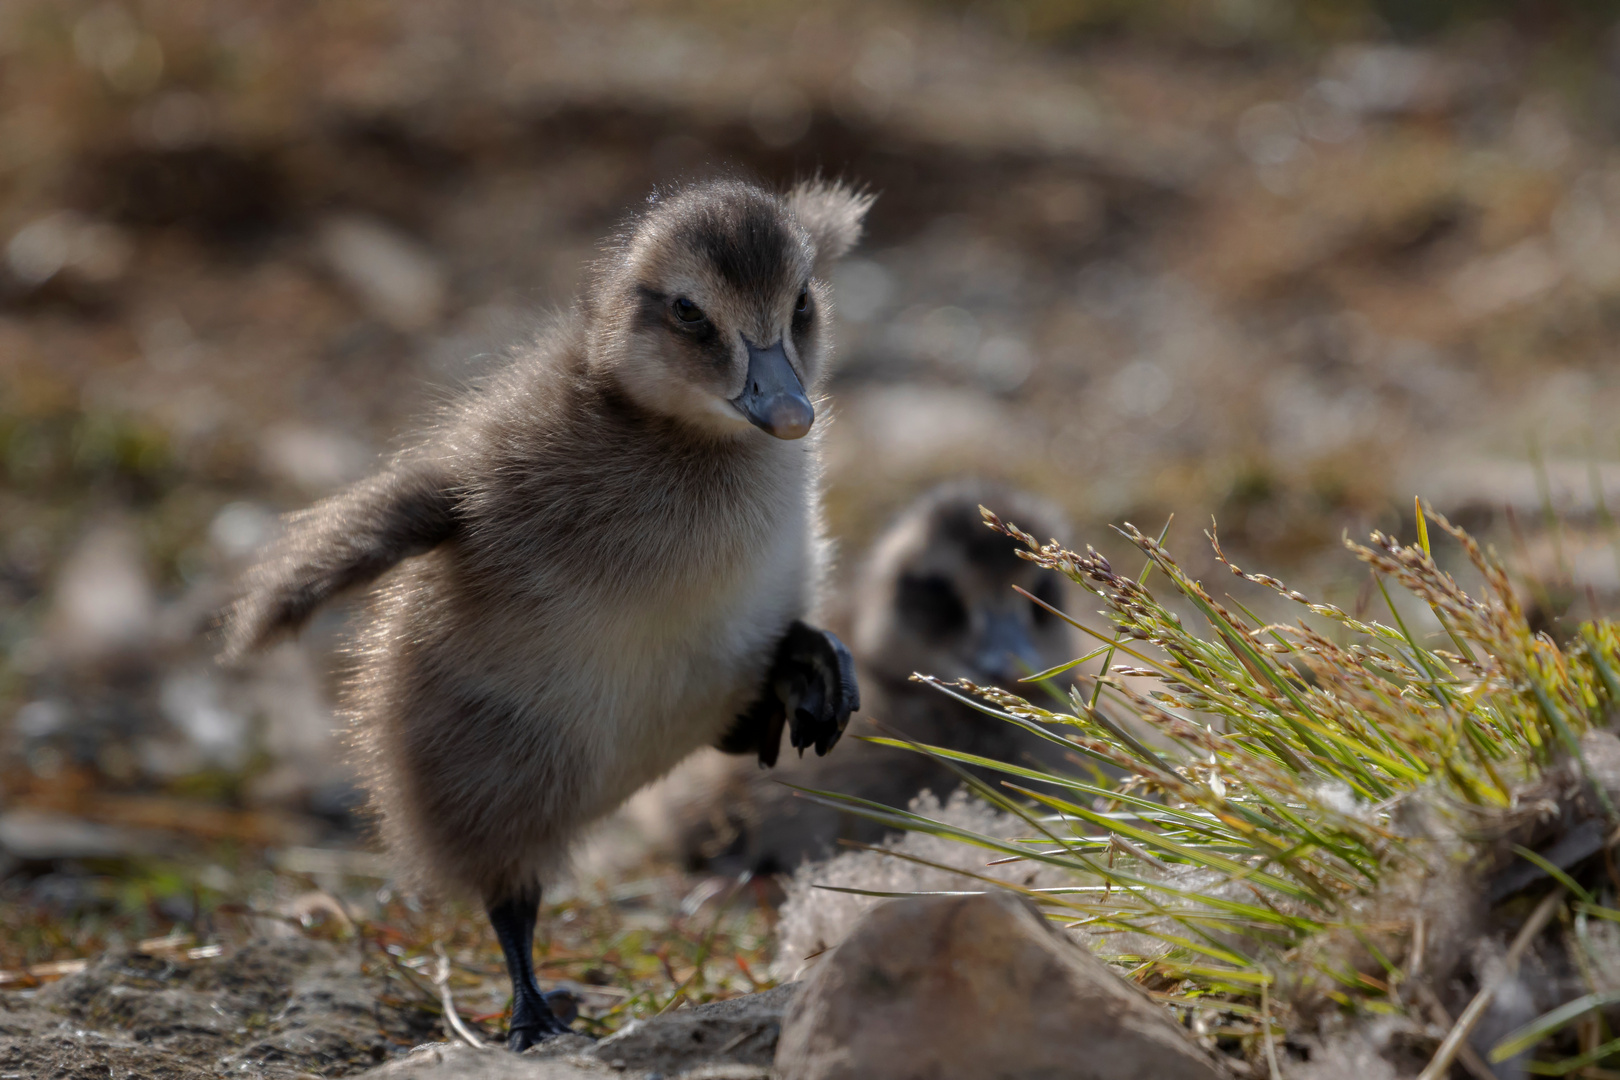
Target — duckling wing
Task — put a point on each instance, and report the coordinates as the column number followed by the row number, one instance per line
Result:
column 348, row 539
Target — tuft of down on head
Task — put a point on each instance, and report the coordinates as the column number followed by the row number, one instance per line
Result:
column 832, row 213
column 710, row 309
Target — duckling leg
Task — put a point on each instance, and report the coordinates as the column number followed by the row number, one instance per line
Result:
column 810, row 689
column 532, row 1017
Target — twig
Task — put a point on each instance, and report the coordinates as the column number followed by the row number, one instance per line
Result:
column 441, row 979
column 1419, row 942
column 1466, row 1054
column 682, row 985
column 405, row 972
column 739, row 1040
column 1465, row 1023
column 1265, row 1022
column 169, row 944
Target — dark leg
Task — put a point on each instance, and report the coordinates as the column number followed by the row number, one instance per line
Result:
column 532, row 1017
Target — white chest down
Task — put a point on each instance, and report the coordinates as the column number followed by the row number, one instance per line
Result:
column 663, row 674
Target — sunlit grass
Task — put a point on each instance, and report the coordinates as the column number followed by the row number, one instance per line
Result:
column 1266, row 772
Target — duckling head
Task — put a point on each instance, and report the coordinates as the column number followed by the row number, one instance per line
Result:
column 711, row 308
column 938, row 595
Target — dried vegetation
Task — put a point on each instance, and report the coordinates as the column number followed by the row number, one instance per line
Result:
column 1291, row 824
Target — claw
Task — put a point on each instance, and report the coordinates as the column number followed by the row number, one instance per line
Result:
column 811, row 704
column 816, row 684
column 531, row 1026
column 810, row 690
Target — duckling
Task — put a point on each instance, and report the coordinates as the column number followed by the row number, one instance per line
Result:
column 595, row 563
column 936, row 596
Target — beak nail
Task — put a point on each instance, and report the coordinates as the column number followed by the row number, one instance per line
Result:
column 773, row 398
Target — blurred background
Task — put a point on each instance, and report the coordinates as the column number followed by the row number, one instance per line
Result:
column 1283, row 264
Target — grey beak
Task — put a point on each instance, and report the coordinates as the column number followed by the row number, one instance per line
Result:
column 1005, row 648
column 773, row 398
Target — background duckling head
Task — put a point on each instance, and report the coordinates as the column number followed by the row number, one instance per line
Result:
column 937, row 595
column 710, row 309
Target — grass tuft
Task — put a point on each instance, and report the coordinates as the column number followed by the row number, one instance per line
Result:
column 1281, row 804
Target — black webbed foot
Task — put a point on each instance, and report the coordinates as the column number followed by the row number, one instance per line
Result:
column 810, row 689
column 534, row 1015
column 814, row 676
column 532, row 1025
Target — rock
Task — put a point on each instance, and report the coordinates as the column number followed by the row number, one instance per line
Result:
column 453, row 1061
column 316, row 460
column 961, row 988
column 742, row 1031
column 40, row 836
column 272, row 1009
column 814, row 919
column 69, row 245
column 399, row 281
column 104, row 603
column 724, row 1040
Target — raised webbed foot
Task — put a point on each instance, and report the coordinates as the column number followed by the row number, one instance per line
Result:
column 810, row 689
column 815, row 678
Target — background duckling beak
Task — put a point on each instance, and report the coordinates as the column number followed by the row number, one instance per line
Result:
column 1004, row 651
column 773, row 399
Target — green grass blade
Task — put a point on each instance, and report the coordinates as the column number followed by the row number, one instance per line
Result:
column 1555, row 873
column 1518, row 1041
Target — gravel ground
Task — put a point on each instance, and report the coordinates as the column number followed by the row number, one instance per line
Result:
column 1289, row 286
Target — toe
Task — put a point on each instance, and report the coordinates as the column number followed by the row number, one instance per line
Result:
column 563, row 1005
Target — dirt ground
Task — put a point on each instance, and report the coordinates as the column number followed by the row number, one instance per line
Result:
column 274, row 1009
column 1286, row 281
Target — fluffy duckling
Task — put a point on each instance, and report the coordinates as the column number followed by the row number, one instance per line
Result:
column 597, row 562
column 936, row 596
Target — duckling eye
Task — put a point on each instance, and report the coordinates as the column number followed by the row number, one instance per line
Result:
column 686, row 311
column 931, row 605
column 804, row 302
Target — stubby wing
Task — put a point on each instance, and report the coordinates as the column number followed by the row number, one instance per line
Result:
column 346, row 540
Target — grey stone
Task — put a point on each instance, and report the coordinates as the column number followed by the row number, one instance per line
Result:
column 741, row 1031
column 399, row 280
column 271, row 1009
column 40, row 835
column 969, row 987
column 454, row 1061
column 723, row 1040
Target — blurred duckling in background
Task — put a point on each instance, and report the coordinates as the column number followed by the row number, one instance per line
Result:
column 936, row 596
